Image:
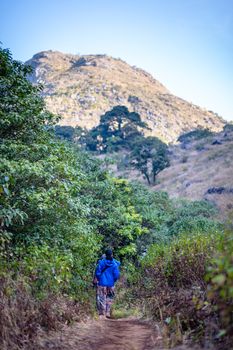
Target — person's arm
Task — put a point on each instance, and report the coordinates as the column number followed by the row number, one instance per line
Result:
column 98, row 270
column 116, row 273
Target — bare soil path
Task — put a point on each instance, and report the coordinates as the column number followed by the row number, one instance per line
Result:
column 122, row 334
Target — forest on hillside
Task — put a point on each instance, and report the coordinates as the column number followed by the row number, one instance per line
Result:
column 60, row 208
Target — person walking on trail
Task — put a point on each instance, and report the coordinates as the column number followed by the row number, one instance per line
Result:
column 106, row 274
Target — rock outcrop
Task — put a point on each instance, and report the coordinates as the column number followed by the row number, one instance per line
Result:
column 82, row 88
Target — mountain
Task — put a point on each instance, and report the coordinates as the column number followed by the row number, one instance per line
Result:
column 82, row 88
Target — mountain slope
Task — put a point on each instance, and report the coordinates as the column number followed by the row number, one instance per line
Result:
column 202, row 169
column 82, row 88
column 199, row 170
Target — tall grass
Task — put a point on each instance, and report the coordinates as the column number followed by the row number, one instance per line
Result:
column 187, row 285
column 23, row 317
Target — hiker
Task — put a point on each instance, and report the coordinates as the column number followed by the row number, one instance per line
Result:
column 106, row 273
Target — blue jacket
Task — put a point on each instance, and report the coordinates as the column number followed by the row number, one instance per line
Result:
column 107, row 272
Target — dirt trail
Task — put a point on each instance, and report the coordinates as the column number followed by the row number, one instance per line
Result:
column 122, row 334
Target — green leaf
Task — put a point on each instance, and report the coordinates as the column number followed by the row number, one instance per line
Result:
column 7, row 192
column 219, row 279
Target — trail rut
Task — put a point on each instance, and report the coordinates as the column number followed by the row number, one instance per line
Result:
column 122, row 334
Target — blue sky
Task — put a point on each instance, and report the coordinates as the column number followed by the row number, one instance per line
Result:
column 186, row 44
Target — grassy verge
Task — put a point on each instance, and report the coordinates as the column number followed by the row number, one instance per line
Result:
column 187, row 286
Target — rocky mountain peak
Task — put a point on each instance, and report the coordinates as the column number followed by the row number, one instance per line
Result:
column 83, row 87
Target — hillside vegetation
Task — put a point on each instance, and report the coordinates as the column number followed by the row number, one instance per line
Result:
column 59, row 208
column 82, row 88
column 202, row 169
column 198, row 167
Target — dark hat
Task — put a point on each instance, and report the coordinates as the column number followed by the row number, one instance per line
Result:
column 108, row 252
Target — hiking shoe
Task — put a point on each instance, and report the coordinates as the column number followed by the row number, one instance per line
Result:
column 108, row 315
column 102, row 317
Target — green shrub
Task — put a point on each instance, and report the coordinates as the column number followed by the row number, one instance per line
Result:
column 220, row 284
column 171, row 284
column 195, row 135
column 165, row 218
column 228, row 127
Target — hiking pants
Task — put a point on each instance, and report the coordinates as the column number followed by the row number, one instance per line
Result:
column 104, row 299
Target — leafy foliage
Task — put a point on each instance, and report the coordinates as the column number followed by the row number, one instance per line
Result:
column 195, row 135
column 65, row 132
column 220, row 279
column 22, row 110
column 120, row 129
column 149, row 156
column 165, row 218
column 228, row 127
column 186, row 284
column 115, row 130
column 171, row 284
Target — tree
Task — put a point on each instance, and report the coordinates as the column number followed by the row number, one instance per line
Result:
column 22, row 111
column 149, row 156
column 64, row 132
column 116, row 129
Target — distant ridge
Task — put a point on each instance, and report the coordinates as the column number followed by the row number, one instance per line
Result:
column 82, row 88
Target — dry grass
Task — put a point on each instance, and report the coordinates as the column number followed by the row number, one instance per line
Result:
column 193, row 172
column 23, row 318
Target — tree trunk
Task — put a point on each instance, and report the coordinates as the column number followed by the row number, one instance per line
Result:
column 154, row 177
column 148, row 178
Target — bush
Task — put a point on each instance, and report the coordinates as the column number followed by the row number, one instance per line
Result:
column 195, row 135
column 23, row 317
column 165, row 218
column 64, row 132
column 171, row 283
column 220, row 286
column 228, row 127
